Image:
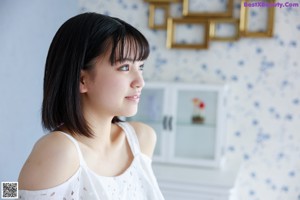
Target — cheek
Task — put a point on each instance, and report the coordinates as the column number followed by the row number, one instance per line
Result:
column 111, row 88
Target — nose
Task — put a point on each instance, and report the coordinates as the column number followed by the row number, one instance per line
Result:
column 138, row 80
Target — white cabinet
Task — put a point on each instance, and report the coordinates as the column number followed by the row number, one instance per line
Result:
column 188, row 120
column 189, row 151
column 178, row 182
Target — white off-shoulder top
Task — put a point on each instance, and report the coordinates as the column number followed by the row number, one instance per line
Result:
column 138, row 182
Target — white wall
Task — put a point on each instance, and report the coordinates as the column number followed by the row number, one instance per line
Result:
column 26, row 30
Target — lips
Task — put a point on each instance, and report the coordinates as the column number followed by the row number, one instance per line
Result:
column 134, row 98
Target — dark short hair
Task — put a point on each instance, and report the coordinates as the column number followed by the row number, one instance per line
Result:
column 79, row 41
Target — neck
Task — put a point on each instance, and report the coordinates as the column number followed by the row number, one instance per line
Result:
column 101, row 128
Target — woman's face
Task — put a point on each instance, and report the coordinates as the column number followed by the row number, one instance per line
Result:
column 112, row 90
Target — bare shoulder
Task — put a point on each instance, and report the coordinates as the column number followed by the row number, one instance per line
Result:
column 146, row 136
column 51, row 162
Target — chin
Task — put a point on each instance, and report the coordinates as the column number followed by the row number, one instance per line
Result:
column 130, row 113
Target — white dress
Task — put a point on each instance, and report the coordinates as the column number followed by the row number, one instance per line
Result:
column 136, row 183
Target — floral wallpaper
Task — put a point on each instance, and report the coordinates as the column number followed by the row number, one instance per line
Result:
column 263, row 75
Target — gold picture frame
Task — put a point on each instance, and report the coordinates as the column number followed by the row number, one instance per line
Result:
column 153, row 7
column 171, row 30
column 187, row 13
column 244, row 32
column 213, row 33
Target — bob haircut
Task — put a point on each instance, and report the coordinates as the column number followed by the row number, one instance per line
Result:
column 75, row 46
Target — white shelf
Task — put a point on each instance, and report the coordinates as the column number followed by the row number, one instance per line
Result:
column 169, row 107
column 189, row 159
column 182, row 182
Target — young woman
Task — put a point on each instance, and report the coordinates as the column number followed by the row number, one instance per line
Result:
column 93, row 74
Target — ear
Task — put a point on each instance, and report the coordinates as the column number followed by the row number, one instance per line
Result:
column 83, row 82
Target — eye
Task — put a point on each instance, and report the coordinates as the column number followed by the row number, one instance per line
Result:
column 124, row 68
column 141, row 67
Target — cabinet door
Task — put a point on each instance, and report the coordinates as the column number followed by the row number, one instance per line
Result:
column 196, row 133
column 152, row 111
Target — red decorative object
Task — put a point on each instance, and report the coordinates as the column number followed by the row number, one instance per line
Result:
column 198, row 111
